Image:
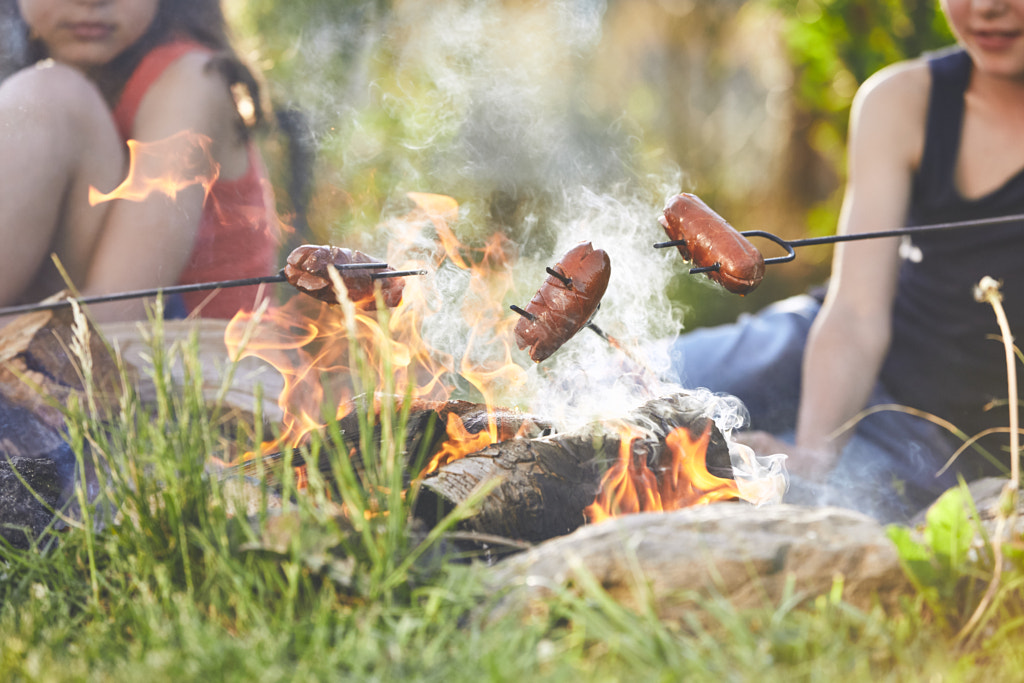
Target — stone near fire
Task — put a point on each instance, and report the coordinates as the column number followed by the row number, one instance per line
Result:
column 746, row 554
column 37, row 473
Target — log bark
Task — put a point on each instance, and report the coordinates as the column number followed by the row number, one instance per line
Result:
column 255, row 384
column 545, row 483
column 38, row 374
column 38, row 371
column 425, row 432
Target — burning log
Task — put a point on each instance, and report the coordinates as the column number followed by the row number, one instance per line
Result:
column 547, row 483
column 38, row 469
column 434, row 428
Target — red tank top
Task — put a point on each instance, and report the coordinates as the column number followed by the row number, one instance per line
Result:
column 238, row 230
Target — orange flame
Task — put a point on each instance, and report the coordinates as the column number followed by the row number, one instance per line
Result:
column 460, row 443
column 309, row 342
column 166, row 166
column 315, row 349
column 681, row 478
column 440, row 210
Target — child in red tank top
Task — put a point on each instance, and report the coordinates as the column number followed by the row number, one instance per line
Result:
column 158, row 72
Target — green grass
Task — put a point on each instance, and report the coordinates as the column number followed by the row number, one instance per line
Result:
column 177, row 588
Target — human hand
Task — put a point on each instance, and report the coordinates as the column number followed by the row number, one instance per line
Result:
column 809, row 463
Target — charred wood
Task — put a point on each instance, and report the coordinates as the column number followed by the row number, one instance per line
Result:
column 545, row 483
column 38, row 469
column 424, row 434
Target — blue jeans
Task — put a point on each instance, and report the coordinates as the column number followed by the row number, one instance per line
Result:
column 887, row 469
column 174, row 307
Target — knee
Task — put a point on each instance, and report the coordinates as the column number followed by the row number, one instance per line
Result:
column 56, row 95
column 54, row 112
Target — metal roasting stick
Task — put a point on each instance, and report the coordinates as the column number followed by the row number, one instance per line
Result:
column 789, row 245
column 565, row 279
column 526, row 314
column 589, row 324
column 137, row 294
column 398, row 273
column 592, row 326
column 196, row 287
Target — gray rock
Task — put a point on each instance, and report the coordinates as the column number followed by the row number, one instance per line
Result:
column 752, row 556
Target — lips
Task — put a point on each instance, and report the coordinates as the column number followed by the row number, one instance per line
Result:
column 90, row 30
column 995, row 41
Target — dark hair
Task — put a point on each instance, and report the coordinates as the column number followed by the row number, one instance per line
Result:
column 199, row 20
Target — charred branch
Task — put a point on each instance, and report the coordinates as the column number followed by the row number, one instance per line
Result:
column 545, row 483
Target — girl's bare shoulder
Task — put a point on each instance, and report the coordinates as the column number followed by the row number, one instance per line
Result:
column 189, row 95
column 897, row 86
column 890, row 111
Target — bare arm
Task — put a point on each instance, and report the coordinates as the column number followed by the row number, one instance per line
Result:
column 147, row 243
column 56, row 140
column 850, row 336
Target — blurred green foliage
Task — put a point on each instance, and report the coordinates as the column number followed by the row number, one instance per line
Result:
column 833, row 47
column 354, row 57
column 837, row 44
column 309, row 50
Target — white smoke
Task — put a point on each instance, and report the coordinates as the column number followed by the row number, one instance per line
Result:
column 493, row 103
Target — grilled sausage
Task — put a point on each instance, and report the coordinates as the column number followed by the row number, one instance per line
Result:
column 565, row 302
column 711, row 240
column 306, row 269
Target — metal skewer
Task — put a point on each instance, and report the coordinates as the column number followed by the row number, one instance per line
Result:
column 564, row 279
column 526, row 314
column 398, row 273
column 790, row 245
column 589, row 324
column 195, row 287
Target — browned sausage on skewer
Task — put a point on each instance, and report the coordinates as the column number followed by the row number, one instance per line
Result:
column 306, row 270
column 710, row 240
column 565, row 302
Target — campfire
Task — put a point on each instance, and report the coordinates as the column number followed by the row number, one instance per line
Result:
column 449, row 344
column 565, row 426
column 564, row 422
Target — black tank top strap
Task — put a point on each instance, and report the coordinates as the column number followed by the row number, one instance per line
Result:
column 942, row 359
column 951, row 73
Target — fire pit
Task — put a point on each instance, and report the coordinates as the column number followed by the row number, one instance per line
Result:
column 608, row 437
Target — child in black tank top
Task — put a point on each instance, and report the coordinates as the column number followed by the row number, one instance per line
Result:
column 932, row 140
